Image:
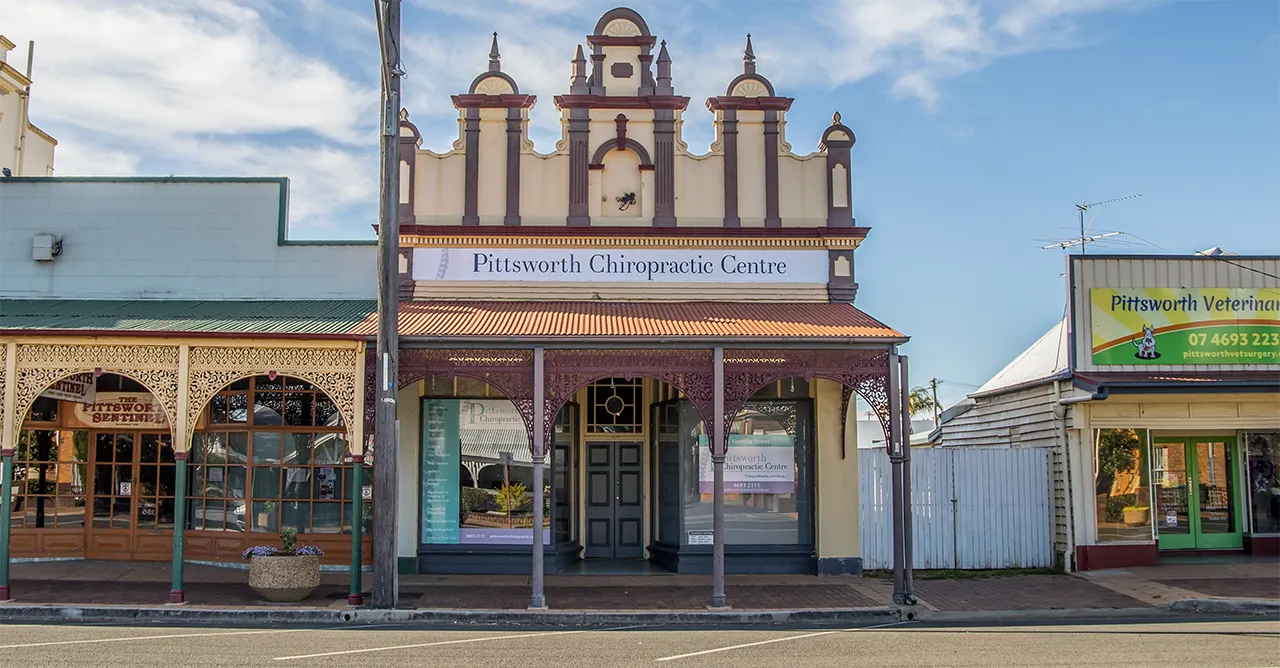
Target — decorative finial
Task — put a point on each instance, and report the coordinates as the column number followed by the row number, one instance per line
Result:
column 578, row 83
column 495, row 58
column 749, row 58
column 664, row 71
column 835, row 118
column 404, row 114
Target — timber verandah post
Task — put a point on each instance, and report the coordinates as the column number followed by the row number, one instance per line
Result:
column 717, row 462
column 537, row 601
column 6, row 461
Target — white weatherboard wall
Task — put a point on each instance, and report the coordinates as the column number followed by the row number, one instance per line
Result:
column 157, row 239
column 976, row 508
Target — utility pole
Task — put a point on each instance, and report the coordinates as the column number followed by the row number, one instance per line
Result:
column 933, row 385
column 386, row 426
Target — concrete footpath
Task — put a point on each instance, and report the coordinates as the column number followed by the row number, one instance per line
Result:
column 134, row 592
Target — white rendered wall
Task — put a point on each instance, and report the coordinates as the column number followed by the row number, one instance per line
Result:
column 151, row 239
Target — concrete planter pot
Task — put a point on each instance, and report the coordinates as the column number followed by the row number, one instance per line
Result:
column 1136, row 517
column 284, row 579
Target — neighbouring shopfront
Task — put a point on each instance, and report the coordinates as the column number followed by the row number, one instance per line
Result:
column 1178, row 431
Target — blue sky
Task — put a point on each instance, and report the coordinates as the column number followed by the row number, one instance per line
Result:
column 980, row 124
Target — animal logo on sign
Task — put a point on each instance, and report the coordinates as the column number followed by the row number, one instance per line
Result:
column 1146, row 345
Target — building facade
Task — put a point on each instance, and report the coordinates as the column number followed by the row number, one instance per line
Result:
column 185, row 404
column 631, row 355
column 643, row 314
column 1159, row 396
column 25, row 150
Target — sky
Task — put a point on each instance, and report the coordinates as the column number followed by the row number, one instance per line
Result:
column 980, row 125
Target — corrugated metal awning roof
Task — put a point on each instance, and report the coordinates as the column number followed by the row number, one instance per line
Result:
column 246, row 317
column 576, row 320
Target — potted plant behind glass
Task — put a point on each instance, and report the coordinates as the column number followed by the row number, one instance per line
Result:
column 284, row 574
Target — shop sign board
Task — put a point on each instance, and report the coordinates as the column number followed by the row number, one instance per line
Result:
column 78, row 388
column 122, row 410
column 618, row 266
column 1185, row 326
column 754, row 464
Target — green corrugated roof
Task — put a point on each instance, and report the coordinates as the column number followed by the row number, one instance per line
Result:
column 248, row 317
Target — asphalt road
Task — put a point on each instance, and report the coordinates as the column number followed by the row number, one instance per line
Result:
column 1162, row 644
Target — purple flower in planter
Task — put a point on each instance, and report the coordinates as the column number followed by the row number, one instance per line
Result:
column 259, row 551
column 309, row 551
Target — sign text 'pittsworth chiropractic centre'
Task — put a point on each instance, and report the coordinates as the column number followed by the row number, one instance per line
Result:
column 619, row 266
column 1185, row 326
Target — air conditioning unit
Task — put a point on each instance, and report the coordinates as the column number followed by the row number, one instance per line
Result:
column 45, row 247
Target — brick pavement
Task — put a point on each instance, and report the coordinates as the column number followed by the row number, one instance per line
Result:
column 1020, row 592
column 124, row 583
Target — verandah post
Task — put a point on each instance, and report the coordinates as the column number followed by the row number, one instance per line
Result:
column 6, row 474
column 908, row 548
column 176, row 594
column 894, row 450
column 6, row 461
column 355, row 596
column 718, row 448
column 537, row 601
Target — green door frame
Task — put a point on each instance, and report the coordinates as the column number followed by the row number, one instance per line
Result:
column 1196, row 538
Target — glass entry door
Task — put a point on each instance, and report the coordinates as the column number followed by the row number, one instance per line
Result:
column 1195, row 493
column 132, row 496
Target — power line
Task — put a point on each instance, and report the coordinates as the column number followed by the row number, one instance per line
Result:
column 1215, row 257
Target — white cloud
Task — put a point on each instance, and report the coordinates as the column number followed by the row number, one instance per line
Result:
column 205, row 87
column 87, row 158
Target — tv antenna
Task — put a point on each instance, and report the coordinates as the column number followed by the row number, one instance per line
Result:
column 1085, row 207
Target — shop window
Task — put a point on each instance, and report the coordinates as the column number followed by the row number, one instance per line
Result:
column 613, row 406
column 49, row 476
column 768, row 480
column 477, row 475
column 43, row 409
column 1122, row 487
column 284, row 463
column 1264, row 481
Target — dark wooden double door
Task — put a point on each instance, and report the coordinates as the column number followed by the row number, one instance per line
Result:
column 615, row 500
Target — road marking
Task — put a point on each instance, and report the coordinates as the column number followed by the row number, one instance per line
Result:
column 768, row 642
column 445, row 642
column 162, row 637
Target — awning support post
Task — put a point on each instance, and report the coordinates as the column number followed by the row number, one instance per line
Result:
column 718, row 450
column 908, row 541
column 537, row 600
column 6, row 491
column 894, row 448
column 176, row 594
column 355, row 594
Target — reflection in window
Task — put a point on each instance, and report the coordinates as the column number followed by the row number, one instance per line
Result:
column 283, row 464
column 1122, row 489
column 49, row 476
column 765, row 476
column 1264, row 481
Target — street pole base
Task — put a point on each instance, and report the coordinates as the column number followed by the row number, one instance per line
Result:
column 537, row 603
column 177, row 597
column 4, row 593
column 900, row 599
column 355, row 599
column 718, row 603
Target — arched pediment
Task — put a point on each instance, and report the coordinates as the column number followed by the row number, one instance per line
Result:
column 598, row 157
column 622, row 15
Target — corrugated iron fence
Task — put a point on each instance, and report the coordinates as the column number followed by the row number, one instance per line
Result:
column 972, row 508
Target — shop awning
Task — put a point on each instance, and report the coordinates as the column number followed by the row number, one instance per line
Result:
column 1179, row 381
column 307, row 317
column 711, row 321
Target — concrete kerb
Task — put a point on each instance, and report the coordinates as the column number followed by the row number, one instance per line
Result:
column 1226, row 606
column 360, row 617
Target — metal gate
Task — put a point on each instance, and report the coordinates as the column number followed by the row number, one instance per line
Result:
column 972, row 508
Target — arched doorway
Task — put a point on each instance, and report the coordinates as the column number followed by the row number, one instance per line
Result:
column 94, row 472
column 270, row 453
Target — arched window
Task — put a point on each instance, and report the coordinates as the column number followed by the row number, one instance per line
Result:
column 272, row 454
